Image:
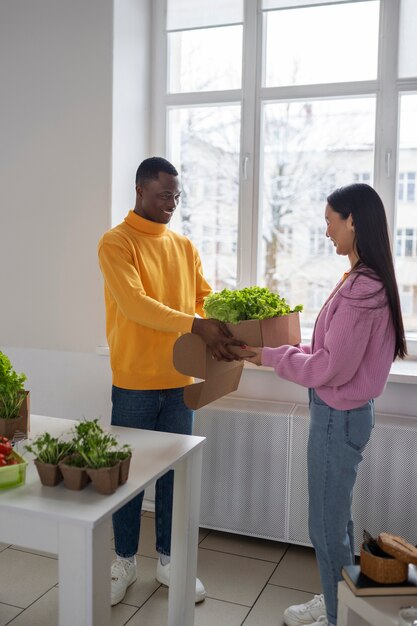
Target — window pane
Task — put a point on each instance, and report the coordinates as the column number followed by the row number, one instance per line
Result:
column 322, row 44
column 309, row 149
column 408, row 39
column 406, row 244
column 182, row 14
column 204, row 145
column 197, row 61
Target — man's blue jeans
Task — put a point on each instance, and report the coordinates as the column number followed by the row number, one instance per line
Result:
column 163, row 410
column 336, row 441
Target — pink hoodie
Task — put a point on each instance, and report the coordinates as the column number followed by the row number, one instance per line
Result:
column 351, row 350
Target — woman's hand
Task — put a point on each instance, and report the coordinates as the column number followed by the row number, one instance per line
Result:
column 257, row 355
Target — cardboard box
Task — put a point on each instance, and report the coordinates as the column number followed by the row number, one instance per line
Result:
column 273, row 332
column 25, row 413
column 217, row 378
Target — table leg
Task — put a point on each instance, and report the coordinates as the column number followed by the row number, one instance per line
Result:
column 84, row 575
column 342, row 613
column 184, row 543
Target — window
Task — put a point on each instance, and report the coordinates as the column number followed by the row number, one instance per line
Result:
column 265, row 107
column 317, row 293
column 406, row 218
column 407, row 186
column 319, row 245
column 362, row 177
column 406, row 242
column 407, row 299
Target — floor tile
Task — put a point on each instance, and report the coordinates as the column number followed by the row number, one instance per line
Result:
column 147, row 537
column 203, row 533
column 244, row 546
column 8, row 612
column 25, row 576
column 298, row 570
column 44, row 612
column 271, row 604
column 232, row 578
column 208, row 613
column 50, row 555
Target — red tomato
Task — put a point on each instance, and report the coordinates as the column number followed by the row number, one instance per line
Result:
column 5, row 446
column 12, row 461
column 3, row 460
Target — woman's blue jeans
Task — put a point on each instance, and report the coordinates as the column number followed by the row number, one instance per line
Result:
column 163, row 410
column 336, row 441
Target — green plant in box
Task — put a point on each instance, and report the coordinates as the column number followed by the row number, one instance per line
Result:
column 12, row 391
column 250, row 303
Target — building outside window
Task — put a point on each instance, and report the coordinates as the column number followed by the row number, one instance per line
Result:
column 407, row 186
column 274, row 125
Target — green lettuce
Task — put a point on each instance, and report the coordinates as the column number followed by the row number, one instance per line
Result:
column 250, row 303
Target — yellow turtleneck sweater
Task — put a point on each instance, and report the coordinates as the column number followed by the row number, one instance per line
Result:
column 153, row 286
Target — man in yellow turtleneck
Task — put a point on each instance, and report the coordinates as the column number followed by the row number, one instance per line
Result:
column 154, row 286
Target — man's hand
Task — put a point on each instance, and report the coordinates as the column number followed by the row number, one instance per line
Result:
column 256, row 359
column 218, row 338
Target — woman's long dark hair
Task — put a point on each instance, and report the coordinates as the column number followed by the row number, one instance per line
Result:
column 372, row 245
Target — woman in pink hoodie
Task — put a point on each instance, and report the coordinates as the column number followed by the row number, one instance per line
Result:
column 357, row 335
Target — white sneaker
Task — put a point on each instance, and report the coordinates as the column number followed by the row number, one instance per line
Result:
column 123, row 574
column 163, row 573
column 322, row 621
column 308, row 613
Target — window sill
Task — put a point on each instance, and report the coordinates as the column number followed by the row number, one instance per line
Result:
column 404, row 372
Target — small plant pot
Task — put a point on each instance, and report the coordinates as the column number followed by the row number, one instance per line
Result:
column 8, row 427
column 105, row 479
column 124, row 470
column 50, row 474
column 75, row 478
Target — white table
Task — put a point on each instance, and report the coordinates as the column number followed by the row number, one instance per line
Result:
column 76, row 525
column 375, row 610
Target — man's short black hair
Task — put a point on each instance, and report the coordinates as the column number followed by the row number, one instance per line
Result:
column 150, row 168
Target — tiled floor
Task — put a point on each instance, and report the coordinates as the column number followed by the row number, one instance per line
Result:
column 248, row 581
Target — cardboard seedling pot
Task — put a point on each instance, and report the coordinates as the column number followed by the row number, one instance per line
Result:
column 75, row 478
column 50, row 474
column 105, row 479
column 192, row 357
column 124, row 470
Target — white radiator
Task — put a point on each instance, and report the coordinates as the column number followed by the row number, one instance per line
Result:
column 255, row 472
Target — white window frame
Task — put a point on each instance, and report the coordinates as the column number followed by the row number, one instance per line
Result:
column 387, row 88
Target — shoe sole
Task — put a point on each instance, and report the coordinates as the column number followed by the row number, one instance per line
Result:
column 113, row 602
column 288, row 621
column 198, row 599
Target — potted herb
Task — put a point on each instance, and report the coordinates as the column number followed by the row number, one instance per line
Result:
column 97, row 450
column 49, row 451
column 74, row 472
column 12, row 398
column 124, row 455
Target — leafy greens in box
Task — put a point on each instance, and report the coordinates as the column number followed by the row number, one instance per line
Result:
column 250, row 303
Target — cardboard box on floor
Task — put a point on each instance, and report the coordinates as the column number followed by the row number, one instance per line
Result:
column 217, row 378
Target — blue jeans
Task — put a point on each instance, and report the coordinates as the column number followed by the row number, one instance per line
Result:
column 163, row 410
column 336, row 441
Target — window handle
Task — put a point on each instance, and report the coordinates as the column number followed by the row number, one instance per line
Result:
column 388, row 155
column 245, row 163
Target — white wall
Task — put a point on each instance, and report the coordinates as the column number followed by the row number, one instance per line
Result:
column 62, row 122
column 131, row 99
